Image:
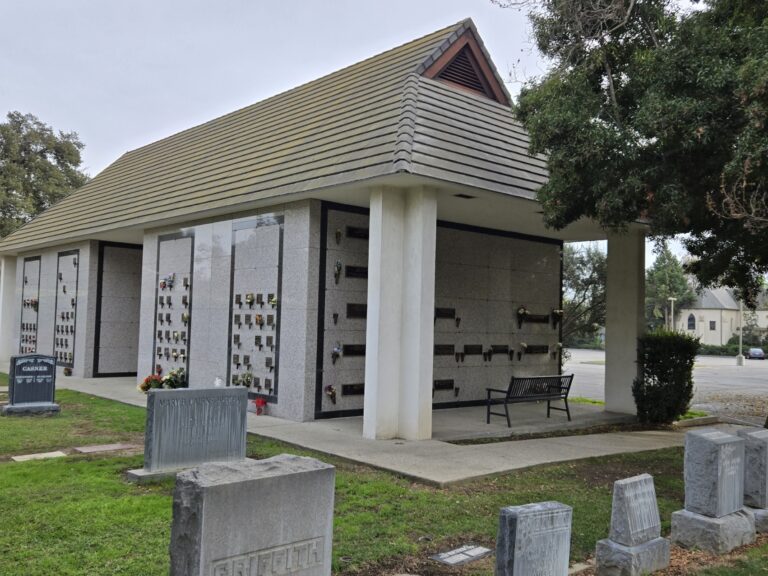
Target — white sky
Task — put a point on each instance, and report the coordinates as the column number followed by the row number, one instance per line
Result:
column 124, row 73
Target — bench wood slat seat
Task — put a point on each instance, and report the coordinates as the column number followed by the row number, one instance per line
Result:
column 530, row 389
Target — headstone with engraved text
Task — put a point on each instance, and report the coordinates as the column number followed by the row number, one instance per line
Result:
column 31, row 385
column 267, row 517
column 635, row 545
column 190, row 427
column 714, row 518
column 534, row 539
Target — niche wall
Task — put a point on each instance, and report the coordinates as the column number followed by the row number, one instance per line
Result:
column 497, row 311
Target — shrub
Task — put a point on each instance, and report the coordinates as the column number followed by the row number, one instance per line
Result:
column 664, row 389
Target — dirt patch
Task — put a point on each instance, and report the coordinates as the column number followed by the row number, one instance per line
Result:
column 604, row 472
column 422, row 565
column 686, row 562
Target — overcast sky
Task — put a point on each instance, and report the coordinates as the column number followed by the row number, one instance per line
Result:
column 124, row 73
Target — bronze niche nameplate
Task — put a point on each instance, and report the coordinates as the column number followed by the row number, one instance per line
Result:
column 445, row 313
column 357, row 232
column 443, row 384
column 352, row 389
column 354, row 350
column 444, row 349
column 357, row 310
column 500, row 348
column 538, row 318
column 473, row 349
column 356, row 271
column 537, row 349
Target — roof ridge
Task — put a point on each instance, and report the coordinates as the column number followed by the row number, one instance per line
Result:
column 406, row 127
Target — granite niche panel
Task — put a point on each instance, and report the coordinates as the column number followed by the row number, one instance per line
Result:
column 173, row 303
column 255, row 306
column 67, row 279
column 30, row 303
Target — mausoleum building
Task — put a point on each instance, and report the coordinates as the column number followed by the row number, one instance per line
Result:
column 368, row 242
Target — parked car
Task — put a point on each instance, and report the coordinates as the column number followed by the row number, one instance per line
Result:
column 756, row 353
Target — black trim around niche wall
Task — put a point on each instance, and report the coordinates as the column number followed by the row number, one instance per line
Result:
column 247, row 224
column 59, row 256
column 99, row 291
column 23, row 290
column 165, row 238
column 325, row 208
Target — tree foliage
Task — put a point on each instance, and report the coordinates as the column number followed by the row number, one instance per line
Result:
column 664, row 280
column 584, row 270
column 649, row 112
column 38, row 167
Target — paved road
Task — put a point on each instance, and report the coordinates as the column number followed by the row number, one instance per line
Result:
column 721, row 386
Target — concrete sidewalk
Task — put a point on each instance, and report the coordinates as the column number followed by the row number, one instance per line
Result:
column 433, row 461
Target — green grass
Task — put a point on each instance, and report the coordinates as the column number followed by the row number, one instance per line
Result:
column 3, row 379
column 77, row 515
column 83, row 420
column 753, row 563
column 691, row 414
column 583, row 400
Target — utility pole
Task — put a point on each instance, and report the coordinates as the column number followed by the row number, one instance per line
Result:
column 672, row 313
column 740, row 357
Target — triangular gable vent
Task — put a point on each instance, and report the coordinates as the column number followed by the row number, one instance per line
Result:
column 465, row 66
column 463, row 70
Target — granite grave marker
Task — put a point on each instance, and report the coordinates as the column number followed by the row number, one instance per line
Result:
column 534, row 539
column 190, row 427
column 253, row 517
column 756, row 475
column 714, row 518
column 634, row 546
column 32, row 385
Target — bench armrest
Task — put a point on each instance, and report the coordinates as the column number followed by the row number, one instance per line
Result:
column 489, row 390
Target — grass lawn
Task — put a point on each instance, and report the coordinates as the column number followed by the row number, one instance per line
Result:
column 77, row 515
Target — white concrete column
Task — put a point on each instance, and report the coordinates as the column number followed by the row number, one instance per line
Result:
column 8, row 302
column 400, row 322
column 418, row 315
column 624, row 317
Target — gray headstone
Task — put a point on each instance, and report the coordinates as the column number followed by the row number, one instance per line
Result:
column 635, row 513
column 253, row 517
column 534, row 539
column 755, row 467
column 189, row 427
column 31, row 385
column 714, row 473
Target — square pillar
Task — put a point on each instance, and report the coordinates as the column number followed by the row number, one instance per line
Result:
column 8, row 303
column 624, row 317
column 400, row 323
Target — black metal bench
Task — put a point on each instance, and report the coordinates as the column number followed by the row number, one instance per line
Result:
column 530, row 389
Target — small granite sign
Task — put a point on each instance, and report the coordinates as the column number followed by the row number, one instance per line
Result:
column 32, row 385
column 190, row 427
column 534, row 539
column 254, row 517
column 635, row 545
column 462, row 555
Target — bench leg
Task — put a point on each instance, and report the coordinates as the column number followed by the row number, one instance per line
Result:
column 549, row 408
column 567, row 410
column 506, row 411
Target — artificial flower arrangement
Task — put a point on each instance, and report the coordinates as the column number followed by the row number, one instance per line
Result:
column 521, row 351
column 261, row 405
column 330, row 391
column 176, row 378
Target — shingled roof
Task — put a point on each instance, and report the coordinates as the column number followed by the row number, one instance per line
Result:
column 382, row 116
